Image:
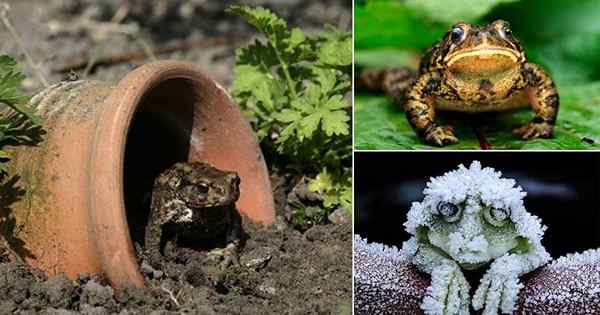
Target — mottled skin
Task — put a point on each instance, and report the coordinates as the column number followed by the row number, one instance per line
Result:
column 471, row 69
column 195, row 201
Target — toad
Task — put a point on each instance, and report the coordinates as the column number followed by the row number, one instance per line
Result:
column 471, row 69
column 195, row 201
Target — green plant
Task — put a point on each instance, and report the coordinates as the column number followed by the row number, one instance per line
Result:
column 16, row 125
column 294, row 89
column 16, row 117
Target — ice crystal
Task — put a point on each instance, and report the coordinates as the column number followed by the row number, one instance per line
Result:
column 384, row 280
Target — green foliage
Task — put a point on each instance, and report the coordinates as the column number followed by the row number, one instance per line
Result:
column 294, row 88
column 16, row 117
column 562, row 36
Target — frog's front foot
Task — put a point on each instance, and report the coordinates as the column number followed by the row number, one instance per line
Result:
column 448, row 292
column 441, row 136
column 227, row 255
column 498, row 291
column 534, row 130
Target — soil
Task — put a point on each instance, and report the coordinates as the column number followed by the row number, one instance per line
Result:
column 282, row 269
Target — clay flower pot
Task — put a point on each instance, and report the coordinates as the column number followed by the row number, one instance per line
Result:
column 76, row 196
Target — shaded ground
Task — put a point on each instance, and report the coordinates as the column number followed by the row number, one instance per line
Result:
column 282, row 270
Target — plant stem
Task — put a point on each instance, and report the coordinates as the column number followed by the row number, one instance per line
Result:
column 286, row 72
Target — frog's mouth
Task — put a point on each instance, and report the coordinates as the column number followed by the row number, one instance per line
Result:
column 495, row 54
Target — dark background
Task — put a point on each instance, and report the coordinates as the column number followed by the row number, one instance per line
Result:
column 562, row 189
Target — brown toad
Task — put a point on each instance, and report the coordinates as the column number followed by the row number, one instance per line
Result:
column 471, row 69
column 195, row 201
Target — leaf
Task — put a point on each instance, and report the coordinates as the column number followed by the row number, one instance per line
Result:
column 336, row 123
column 297, row 37
column 386, row 57
column 265, row 21
column 250, row 79
column 287, row 115
column 393, row 24
column 382, row 125
column 452, row 11
column 321, row 183
column 10, row 94
column 336, row 53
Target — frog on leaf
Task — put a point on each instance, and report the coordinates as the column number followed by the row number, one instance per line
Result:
column 471, row 69
column 471, row 218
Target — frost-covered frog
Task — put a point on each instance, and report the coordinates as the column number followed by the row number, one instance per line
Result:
column 195, row 201
column 472, row 218
column 471, row 69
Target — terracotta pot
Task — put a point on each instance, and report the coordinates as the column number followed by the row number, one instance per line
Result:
column 77, row 199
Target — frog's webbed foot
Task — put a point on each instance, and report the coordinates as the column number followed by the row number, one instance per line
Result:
column 448, row 292
column 227, row 255
column 441, row 136
column 498, row 290
column 534, row 130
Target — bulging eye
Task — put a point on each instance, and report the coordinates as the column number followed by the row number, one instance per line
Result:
column 497, row 216
column 202, row 188
column 457, row 34
column 449, row 211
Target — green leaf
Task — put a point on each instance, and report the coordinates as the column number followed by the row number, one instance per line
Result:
column 274, row 27
column 288, row 115
column 337, row 53
column 297, row 37
column 336, row 123
column 393, row 24
column 251, row 79
column 321, row 183
column 10, row 94
column 452, row 11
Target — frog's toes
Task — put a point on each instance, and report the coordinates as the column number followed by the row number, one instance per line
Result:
column 497, row 292
column 441, row 136
column 534, row 130
column 448, row 292
column 228, row 255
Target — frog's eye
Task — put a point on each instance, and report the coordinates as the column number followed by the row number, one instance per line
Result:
column 448, row 211
column 457, row 34
column 202, row 188
column 496, row 216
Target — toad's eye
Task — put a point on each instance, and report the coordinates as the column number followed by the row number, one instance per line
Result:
column 496, row 216
column 457, row 34
column 449, row 211
column 505, row 32
column 202, row 188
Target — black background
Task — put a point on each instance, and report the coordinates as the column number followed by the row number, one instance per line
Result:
column 562, row 189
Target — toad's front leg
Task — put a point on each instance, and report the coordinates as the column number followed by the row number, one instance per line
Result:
column 499, row 287
column 543, row 98
column 420, row 112
column 448, row 292
column 230, row 253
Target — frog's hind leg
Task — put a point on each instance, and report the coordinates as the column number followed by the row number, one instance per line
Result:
column 393, row 81
column 543, row 97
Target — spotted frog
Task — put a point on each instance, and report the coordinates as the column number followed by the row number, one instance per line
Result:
column 471, row 69
column 195, row 201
